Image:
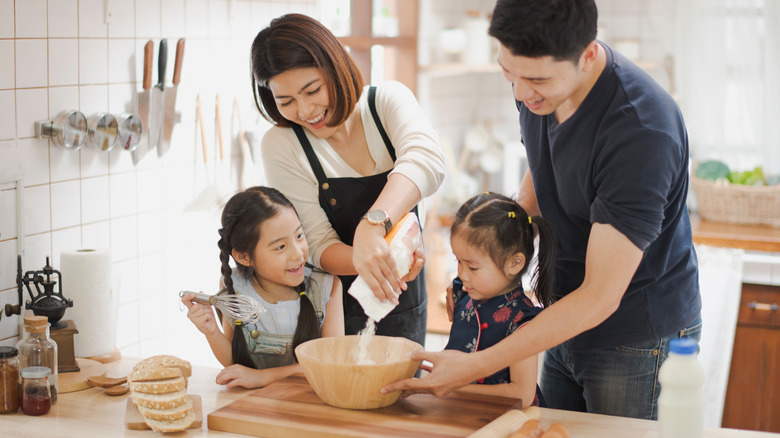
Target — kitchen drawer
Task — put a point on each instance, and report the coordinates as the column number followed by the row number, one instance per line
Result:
column 760, row 306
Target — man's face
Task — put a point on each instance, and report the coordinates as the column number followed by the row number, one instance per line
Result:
column 542, row 84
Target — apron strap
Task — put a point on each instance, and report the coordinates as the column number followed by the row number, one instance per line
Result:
column 378, row 123
column 327, row 201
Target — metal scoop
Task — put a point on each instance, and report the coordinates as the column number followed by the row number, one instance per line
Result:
column 240, row 307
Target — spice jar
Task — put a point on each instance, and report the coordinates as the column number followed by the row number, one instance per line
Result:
column 36, row 391
column 37, row 349
column 9, row 380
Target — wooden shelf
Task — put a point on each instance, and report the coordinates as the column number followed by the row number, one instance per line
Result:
column 749, row 237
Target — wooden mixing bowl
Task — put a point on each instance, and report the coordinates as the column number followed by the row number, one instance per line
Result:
column 331, row 369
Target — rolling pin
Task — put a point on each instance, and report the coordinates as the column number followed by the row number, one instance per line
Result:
column 508, row 422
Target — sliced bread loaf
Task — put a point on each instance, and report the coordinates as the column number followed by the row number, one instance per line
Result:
column 170, row 400
column 171, row 426
column 171, row 414
column 165, row 361
column 158, row 386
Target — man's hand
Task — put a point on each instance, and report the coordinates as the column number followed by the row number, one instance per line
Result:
column 449, row 370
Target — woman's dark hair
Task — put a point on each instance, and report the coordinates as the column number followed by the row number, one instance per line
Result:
column 295, row 41
column 497, row 225
column 535, row 28
column 242, row 217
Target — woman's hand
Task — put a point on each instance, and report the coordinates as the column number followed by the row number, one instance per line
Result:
column 372, row 260
column 414, row 271
column 201, row 315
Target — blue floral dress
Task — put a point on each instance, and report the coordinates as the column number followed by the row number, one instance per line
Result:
column 480, row 324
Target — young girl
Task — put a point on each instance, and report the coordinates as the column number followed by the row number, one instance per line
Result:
column 262, row 233
column 493, row 241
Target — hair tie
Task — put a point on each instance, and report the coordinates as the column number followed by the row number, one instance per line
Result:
column 510, row 214
column 302, row 293
column 238, row 322
column 529, row 220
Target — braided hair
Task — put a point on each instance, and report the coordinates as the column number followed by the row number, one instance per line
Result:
column 242, row 217
column 500, row 227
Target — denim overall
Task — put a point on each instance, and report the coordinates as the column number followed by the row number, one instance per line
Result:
column 271, row 350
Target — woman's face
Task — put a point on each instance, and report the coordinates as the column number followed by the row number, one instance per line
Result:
column 302, row 97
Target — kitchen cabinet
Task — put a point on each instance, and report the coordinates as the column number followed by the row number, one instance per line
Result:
column 753, row 394
column 753, row 391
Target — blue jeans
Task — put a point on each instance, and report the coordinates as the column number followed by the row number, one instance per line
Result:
column 620, row 381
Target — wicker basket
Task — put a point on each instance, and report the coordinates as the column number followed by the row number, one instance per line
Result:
column 721, row 201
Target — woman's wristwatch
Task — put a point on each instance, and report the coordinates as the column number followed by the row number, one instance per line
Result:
column 379, row 217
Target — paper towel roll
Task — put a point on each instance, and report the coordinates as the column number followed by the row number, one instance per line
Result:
column 86, row 279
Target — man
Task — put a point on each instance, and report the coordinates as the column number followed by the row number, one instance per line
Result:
column 608, row 157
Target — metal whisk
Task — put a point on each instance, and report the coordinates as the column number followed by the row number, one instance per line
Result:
column 240, row 307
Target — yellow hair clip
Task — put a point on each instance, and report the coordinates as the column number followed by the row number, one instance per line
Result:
column 529, row 220
column 510, row 214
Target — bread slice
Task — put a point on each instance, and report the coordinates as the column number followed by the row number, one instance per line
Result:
column 165, row 361
column 171, row 426
column 171, row 414
column 151, row 374
column 170, row 400
column 158, row 386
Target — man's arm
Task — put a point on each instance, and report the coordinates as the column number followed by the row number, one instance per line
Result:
column 526, row 197
column 610, row 263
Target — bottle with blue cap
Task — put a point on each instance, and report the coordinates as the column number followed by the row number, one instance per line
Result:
column 681, row 402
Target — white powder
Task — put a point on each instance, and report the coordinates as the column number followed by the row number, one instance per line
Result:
column 364, row 338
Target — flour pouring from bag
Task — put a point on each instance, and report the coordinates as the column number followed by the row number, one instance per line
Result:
column 404, row 239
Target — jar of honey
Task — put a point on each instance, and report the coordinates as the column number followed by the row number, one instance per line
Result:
column 9, row 380
column 36, row 390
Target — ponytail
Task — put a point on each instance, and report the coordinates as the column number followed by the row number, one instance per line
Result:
column 544, row 274
column 308, row 325
column 499, row 226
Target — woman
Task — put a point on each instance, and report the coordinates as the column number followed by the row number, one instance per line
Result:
column 352, row 163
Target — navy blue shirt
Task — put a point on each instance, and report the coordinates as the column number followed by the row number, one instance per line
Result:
column 621, row 159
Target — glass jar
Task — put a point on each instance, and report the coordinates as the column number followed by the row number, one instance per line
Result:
column 9, row 379
column 37, row 349
column 36, row 391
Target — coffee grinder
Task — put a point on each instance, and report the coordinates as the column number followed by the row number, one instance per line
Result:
column 52, row 305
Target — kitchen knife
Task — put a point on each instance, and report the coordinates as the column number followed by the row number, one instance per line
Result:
column 170, row 116
column 155, row 125
column 143, row 104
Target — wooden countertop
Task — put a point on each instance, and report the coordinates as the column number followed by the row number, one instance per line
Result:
column 750, row 237
column 91, row 412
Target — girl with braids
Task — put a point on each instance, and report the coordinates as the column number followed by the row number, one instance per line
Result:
column 261, row 231
column 493, row 241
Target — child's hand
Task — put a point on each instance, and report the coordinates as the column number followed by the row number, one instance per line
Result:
column 201, row 315
column 450, row 302
column 239, row 375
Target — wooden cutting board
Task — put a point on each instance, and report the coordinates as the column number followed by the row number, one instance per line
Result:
column 290, row 408
column 135, row 421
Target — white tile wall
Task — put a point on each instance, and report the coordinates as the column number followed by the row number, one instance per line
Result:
column 7, row 19
column 63, row 19
column 7, row 74
column 59, row 55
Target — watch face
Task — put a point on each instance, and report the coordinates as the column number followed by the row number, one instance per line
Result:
column 376, row 216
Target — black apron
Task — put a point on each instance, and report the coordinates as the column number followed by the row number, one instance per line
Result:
column 345, row 201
